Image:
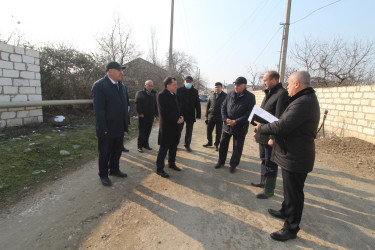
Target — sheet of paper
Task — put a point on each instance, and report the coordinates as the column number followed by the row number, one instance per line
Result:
column 264, row 116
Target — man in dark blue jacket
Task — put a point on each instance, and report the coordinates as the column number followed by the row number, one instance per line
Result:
column 147, row 111
column 294, row 150
column 112, row 119
column 235, row 112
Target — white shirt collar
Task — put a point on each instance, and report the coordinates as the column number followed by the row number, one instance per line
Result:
column 112, row 80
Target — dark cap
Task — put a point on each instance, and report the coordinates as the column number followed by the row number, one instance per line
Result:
column 114, row 65
column 240, row 80
column 219, row 84
column 189, row 78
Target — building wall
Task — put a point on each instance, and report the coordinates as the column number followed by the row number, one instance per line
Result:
column 19, row 82
column 351, row 110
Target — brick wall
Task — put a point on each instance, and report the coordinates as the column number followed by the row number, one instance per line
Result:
column 351, row 110
column 19, row 82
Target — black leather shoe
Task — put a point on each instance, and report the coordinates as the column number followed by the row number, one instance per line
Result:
column 259, row 185
column 263, row 196
column 188, row 148
column 163, row 174
column 276, row 214
column 216, row 148
column 232, row 169
column 106, row 181
column 174, row 167
column 118, row 173
column 283, row 235
column 207, row 145
column 125, row 149
column 148, row 148
column 218, row 165
column 140, row 150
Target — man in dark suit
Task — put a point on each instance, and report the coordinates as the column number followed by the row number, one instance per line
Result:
column 274, row 102
column 294, row 150
column 112, row 119
column 147, row 110
column 170, row 119
column 190, row 107
column 235, row 112
column 213, row 115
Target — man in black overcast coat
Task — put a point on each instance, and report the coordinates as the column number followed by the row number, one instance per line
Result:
column 213, row 115
column 294, row 148
column 170, row 119
column 147, row 110
column 274, row 102
column 235, row 112
column 190, row 107
column 112, row 119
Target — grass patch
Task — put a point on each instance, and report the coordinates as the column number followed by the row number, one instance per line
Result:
column 29, row 155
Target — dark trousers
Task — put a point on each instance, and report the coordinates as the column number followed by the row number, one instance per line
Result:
column 144, row 131
column 268, row 167
column 171, row 149
column 294, row 197
column 210, row 127
column 188, row 133
column 109, row 154
column 238, row 142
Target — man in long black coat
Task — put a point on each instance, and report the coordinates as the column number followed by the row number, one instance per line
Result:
column 112, row 119
column 274, row 102
column 235, row 112
column 213, row 115
column 294, row 148
column 147, row 110
column 170, row 119
column 190, row 107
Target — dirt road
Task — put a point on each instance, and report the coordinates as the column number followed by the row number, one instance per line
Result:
column 197, row 208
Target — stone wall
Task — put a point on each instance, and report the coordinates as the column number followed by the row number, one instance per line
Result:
column 351, row 110
column 19, row 82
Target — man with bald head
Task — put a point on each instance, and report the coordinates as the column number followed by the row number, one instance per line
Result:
column 147, row 111
column 274, row 102
column 294, row 148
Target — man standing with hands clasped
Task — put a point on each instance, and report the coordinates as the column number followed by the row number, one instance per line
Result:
column 274, row 102
column 112, row 119
column 147, row 111
column 294, row 148
column 170, row 119
column 235, row 112
column 190, row 108
column 213, row 115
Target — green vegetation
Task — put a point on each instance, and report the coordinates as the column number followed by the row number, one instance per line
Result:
column 32, row 155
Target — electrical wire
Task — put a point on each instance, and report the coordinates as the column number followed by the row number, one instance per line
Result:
column 315, row 11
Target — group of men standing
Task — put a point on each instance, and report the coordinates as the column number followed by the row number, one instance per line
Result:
column 288, row 142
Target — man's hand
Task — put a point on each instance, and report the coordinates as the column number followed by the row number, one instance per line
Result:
column 270, row 142
column 105, row 132
column 156, row 117
column 141, row 115
column 180, row 120
column 254, row 135
column 230, row 122
column 257, row 124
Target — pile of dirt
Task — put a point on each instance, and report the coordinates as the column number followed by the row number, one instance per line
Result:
column 356, row 152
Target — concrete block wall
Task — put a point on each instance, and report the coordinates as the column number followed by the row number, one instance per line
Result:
column 351, row 110
column 19, row 82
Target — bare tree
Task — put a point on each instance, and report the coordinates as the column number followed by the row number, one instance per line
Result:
column 336, row 62
column 254, row 77
column 183, row 64
column 153, row 49
column 117, row 44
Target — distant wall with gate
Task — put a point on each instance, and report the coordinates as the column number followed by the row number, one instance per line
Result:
column 351, row 110
column 19, row 82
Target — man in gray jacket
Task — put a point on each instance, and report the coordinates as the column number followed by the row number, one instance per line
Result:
column 274, row 102
column 294, row 132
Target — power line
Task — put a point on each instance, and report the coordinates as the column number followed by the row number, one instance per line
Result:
column 315, row 11
column 273, row 36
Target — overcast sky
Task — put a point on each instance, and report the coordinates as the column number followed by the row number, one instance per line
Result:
column 224, row 36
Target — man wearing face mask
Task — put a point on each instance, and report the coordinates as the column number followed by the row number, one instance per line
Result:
column 191, row 109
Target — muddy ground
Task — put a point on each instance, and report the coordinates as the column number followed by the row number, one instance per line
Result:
column 199, row 207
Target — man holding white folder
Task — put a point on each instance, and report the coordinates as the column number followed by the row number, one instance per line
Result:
column 274, row 102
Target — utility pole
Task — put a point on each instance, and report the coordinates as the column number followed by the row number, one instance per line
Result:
column 284, row 42
column 171, row 42
column 199, row 72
